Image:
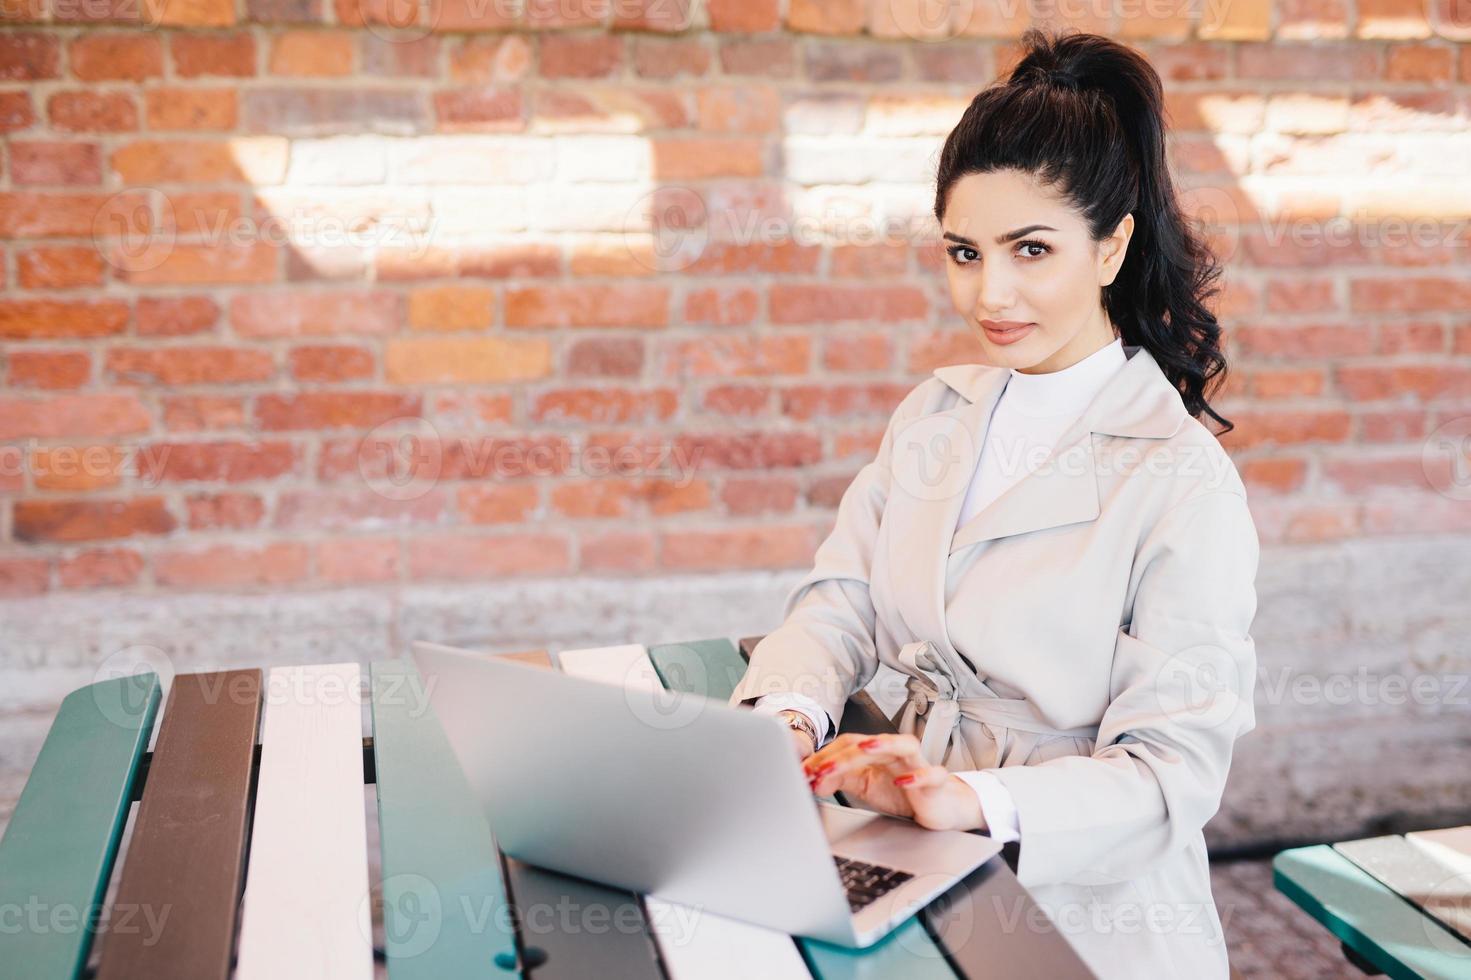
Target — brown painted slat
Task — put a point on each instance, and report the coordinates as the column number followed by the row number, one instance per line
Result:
column 181, row 880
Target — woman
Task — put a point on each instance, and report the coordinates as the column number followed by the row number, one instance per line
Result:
column 1050, row 548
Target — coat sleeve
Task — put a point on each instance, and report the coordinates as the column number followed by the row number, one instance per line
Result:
column 1181, row 690
column 824, row 647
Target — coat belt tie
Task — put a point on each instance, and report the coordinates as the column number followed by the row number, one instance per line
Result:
column 1012, row 724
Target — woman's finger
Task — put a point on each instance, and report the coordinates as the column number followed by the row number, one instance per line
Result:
column 929, row 777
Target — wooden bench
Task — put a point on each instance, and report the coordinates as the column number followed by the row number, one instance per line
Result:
column 248, row 853
column 1376, row 896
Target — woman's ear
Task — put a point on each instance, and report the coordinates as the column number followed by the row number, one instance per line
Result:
column 1113, row 249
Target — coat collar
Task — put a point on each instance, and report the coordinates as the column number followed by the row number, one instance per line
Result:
column 1138, row 401
column 935, row 457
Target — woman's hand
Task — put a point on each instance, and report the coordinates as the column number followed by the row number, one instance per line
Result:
column 888, row 773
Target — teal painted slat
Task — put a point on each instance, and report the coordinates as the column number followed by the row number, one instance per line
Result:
column 907, row 952
column 1370, row 919
column 58, row 850
column 444, row 901
column 709, row 667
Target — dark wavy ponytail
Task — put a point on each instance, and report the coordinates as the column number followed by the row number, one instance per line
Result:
column 1085, row 114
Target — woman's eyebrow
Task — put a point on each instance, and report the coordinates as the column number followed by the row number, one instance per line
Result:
column 1010, row 236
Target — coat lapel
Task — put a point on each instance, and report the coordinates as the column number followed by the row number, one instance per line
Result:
column 936, row 457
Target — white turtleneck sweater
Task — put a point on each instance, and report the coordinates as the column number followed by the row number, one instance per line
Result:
column 1033, row 411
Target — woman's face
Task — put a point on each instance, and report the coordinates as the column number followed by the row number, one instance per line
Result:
column 1017, row 252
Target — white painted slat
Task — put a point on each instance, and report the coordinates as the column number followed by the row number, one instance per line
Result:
column 306, row 902
column 695, row 945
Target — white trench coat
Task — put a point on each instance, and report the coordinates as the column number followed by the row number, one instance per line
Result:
column 1085, row 637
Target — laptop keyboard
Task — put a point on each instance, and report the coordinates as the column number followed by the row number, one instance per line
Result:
column 866, row 882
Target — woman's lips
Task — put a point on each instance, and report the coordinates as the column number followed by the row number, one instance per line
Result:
column 1006, row 336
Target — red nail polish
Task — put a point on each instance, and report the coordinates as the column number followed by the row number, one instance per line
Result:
column 827, row 769
column 904, row 780
column 872, row 743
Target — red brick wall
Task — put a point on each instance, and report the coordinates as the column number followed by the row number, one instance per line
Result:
column 194, row 397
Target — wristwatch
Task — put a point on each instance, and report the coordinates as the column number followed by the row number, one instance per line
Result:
column 800, row 722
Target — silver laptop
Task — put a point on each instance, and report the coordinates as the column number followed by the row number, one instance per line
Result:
column 681, row 797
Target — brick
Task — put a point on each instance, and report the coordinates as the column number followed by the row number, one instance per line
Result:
column 195, row 413
column 851, row 61
column 90, row 520
column 744, row 16
column 473, row 15
column 826, row 16
column 586, row 305
column 1274, row 474
column 311, row 54
column 620, row 256
column 77, row 469
column 504, row 58
column 807, row 402
column 599, row 498
column 767, row 58
column 255, row 161
column 55, row 162
column 29, row 56
column 228, row 511
column 604, row 405
column 1285, row 428
column 62, row 416
column 826, row 492
column 1305, row 340
column 316, row 312
column 750, row 450
column 722, row 306
column 103, row 57
column 492, row 504
column 100, row 568
column 173, row 316
column 1427, row 382
column 387, row 57
column 851, row 352
column 92, row 112
column 732, row 258
column 357, row 560
column 332, row 410
column 319, row 111
column 700, row 159
column 223, row 462
column 739, row 109
column 451, row 308
column 48, row 369
column 1409, row 293
column 1391, row 19
column 16, row 112
column 190, row 109
column 469, row 409
column 473, row 359
column 830, row 304
column 758, row 547
column 174, row 366
column 616, row 551
column 331, row 362
column 665, row 58
column 1319, row 62
column 1267, row 383
column 59, row 267
column 750, row 496
column 24, row 577
column 580, row 56
column 932, row 350
column 233, row 566
column 736, row 356
column 653, row 15
column 210, row 54
column 738, row 401
column 313, row 510
column 1411, row 338
column 485, row 109
column 1360, row 476
column 606, row 357
column 196, row 265
column 869, row 261
column 1392, row 425
column 198, row 13
column 1422, row 63
column 460, row 557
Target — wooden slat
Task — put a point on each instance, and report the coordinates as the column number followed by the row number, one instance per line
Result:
column 187, row 852
column 306, row 904
column 693, row 944
column 1421, row 873
column 59, row 847
column 1367, row 917
column 442, row 888
column 602, row 934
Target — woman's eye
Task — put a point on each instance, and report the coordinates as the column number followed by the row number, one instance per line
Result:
column 958, row 250
column 1039, row 245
